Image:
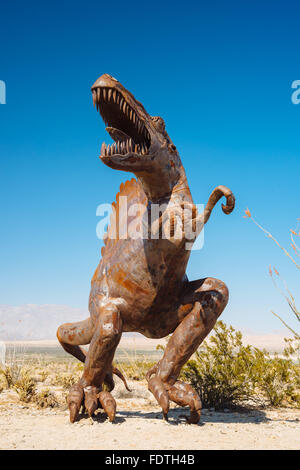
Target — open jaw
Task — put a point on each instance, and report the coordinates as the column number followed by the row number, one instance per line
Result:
column 123, row 123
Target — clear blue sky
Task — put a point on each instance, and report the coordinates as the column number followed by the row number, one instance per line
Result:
column 218, row 72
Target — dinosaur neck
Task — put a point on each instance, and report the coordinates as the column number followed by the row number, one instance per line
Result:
column 161, row 183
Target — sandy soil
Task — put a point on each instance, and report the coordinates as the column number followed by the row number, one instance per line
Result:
column 139, row 426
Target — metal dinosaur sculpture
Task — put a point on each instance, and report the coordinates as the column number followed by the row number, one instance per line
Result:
column 140, row 284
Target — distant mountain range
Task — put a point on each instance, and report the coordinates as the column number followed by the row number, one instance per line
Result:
column 35, row 322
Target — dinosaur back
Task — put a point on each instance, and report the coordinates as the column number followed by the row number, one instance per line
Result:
column 131, row 192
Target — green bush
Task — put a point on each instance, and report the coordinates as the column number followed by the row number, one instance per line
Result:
column 227, row 374
column 222, row 370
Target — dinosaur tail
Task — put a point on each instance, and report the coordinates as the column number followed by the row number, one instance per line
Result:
column 217, row 193
column 119, row 374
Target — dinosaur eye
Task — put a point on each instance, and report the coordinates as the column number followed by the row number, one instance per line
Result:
column 159, row 123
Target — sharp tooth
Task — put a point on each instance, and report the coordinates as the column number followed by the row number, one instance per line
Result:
column 103, row 149
column 130, row 115
column 118, row 146
column 114, row 96
column 94, row 97
column 136, row 148
column 109, row 94
column 133, row 118
column 104, row 94
column 124, row 107
column 118, row 98
column 139, row 126
column 121, row 102
column 130, row 145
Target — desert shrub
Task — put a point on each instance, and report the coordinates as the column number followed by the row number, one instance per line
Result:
column 12, row 370
column 25, row 386
column 135, row 368
column 11, row 374
column 43, row 374
column 45, row 399
column 292, row 349
column 66, row 375
column 221, row 370
column 227, row 374
column 278, row 379
column 66, row 380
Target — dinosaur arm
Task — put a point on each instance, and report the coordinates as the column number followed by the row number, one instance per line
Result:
column 191, row 223
column 200, row 220
column 217, row 193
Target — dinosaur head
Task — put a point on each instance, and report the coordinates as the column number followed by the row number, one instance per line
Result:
column 142, row 145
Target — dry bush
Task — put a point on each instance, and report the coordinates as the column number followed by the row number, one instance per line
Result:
column 43, row 375
column 66, row 380
column 25, row 386
column 14, row 365
column 67, row 376
column 284, row 290
column 45, row 399
column 134, row 366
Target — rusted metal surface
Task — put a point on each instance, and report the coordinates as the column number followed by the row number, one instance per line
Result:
column 140, row 283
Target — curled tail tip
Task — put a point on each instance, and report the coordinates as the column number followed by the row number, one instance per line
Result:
column 230, row 203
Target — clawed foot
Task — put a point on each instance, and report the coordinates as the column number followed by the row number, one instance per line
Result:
column 75, row 400
column 180, row 393
column 90, row 398
column 108, row 403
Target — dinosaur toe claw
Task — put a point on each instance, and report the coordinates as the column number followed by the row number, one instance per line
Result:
column 74, row 400
column 91, row 399
column 108, row 403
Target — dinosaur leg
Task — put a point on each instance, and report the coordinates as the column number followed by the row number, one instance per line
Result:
column 201, row 304
column 71, row 335
column 98, row 362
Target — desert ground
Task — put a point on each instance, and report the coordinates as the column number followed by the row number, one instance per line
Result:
column 139, row 423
